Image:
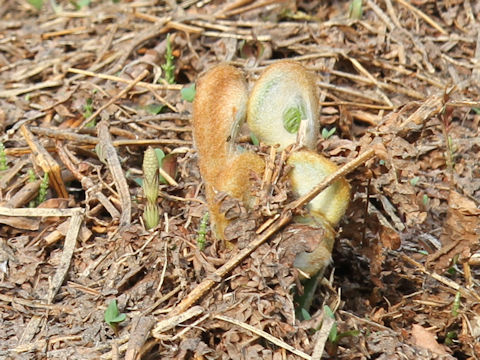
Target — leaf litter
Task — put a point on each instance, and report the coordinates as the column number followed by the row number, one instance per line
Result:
column 406, row 255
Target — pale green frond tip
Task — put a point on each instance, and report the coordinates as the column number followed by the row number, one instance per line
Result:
column 291, row 119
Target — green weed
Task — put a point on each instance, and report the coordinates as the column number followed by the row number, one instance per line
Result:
column 169, row 66
column 113, row 316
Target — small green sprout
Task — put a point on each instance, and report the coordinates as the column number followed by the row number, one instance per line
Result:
column 80, row 4
column 31, row 178
column 113, row 316
column 42, row 192
column 31, row 175
column 451, row 335
column 456, row 304
column 334, row 337
column 254, row 139
column 37, row 4
column 202, row 231
column 452, row 270
column 87, row 112
column 326, row 134
column 355, row 10
column 414, row 181
column 425, row 200
column 188, row 93
column 3, row 158
column 304, row 301
column 154, row 108
column 477, row 110
column 305, row 314
column 169, row 66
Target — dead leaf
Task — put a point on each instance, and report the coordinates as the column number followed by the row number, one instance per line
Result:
column 461, row 226
column 424, row 338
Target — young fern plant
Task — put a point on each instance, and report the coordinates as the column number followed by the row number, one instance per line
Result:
column 282, row 109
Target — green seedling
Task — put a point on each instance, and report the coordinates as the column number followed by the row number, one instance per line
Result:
column 451, row 335
column 31, row 175
column 304, row 301
column 254, row 139
column 452, row 270
column 80, row 4
column 477, row 110
column 202, row 232
column 88, row 108
column 113, row 316
column 456, row 304
column 37, row 4
column 87, row 112
column 425, row 200
column 169, row 66
column 42, row 192
column 326, row 134
column 3, row 158
column 305, row 314
column 154, row 109
column 355, row 10
column 188, row 93
column 334, row 337
column 414, row 181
